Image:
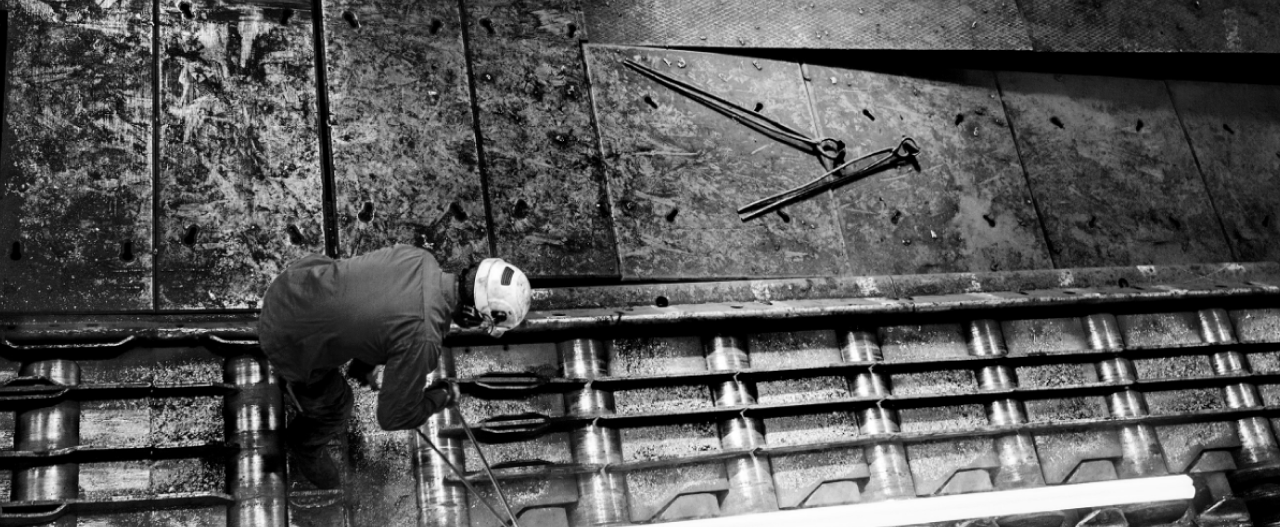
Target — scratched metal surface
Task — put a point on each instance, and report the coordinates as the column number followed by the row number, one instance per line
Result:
column 1235, row 133
column 75, row 173
column 966, row 209
column 239, row 182
column 404, row 152
column 678, row 171
column 1096, row 151
column 836, row 24
column 550, row 207
column 1236, row 26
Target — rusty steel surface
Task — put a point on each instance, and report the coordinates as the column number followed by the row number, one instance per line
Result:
column 239, row 182
column 966, row 209
column 404, row 152
column 1237, row 26
column 835, row 24
column 678, row 171
column 75, row 206
column 1234, row 129
column 1111, row 171
column 550, row 211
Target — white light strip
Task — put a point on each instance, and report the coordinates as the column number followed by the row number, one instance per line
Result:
column 967, row 506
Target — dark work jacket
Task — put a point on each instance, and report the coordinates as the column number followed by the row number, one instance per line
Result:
column 391, row 306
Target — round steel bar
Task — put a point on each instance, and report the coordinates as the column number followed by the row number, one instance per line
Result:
column 890, row 475
column 49, row 428
column 602, row 496
column 441, row 503
column 751, row 485
column 1019, row 464
column 254, row 416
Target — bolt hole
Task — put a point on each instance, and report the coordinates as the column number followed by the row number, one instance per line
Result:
column 735, row 306
column 759, row 107
column 366, row 212
column 1093, row 222
column 959, row 119
column 185, row 8
column 191, row 236
column 521, row 209
column 991, row 222
column 351, row 19
column 867, row 113
column 126, row 251
column 436, row 26
column 649, row 101
column 1140, row 125
column 559, row 315
column 671, row 216
column 1222, row 286
column 573, row 30
column 295, row 235
column 1227, row 127
column 1068, row 292
column 487, row 25
column 286, row 16
column 1057, row 122
column 456, row 210
column 661, row 301
column 786, row 218
column 15, row 251
column 1123, row 283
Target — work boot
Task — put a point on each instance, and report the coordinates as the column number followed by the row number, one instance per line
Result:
column 318, row 467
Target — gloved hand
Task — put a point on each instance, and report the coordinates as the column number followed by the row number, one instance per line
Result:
column 442, row 394
column 364, row 374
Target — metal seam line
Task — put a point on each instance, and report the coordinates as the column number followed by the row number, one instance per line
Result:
column 602, row 496
column 253, row 417
column 890, row 475
column 751, row 485
column 440, row 503
column 49, row 428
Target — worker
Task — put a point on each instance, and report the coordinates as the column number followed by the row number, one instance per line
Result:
column 389, row 307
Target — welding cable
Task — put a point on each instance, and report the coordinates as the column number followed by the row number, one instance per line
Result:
column 463, row 478
column 825, row 147
column 485, row 463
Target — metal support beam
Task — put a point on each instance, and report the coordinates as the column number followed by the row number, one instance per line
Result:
column 751, row 487
column 890, row 475
column 49, row 428
column 602, row 496
column 254, row 417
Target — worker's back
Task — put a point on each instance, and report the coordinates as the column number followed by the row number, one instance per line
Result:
column 321, row 313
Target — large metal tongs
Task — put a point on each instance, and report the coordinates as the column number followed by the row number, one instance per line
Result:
column 846, row 172
column 825, row 147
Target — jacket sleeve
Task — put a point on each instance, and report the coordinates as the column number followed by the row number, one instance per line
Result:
column 402, row 405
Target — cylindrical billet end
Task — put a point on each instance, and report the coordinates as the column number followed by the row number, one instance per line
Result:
column 589, row 402
column 244, row 370
column 741, row 432
column 1140, row 453
column 584, row 358
column 49, row 482
column 1229, row 363
column 1116, row 370
column 890, row 475
column 1019, row 465
column 596, row 445
column 258, row 512
column 1242, row 396
column 996, row 378
column 602, row 500
column 878, row 420
column 440, row 504
column 734, row 393
column 1103, row 332
column 750, row 486
column 984, row 338
column 1258, row 446
column 61, row 371
column 870, row 385
column 48, row 428
column 1215, row 326
column 1004, row 412
column 1039, row 519
column 1127, row 403
column 859, row 345
column 727, row 353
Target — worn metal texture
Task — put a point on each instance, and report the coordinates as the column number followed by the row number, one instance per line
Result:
column 239, row 182
column 1096, row 150
column 75, row 172
column 967, row 208
column 404, row 149
column 1234, row 131
column 549, row 203
column 1234, row 26
column 875, row 24
column 678, row 170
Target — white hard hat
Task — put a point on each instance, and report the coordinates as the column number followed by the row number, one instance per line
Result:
column 502, row 295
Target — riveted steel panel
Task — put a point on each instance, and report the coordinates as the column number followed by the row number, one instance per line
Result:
column 837, row 24
column 76, row 167
column 1153, row 25
column 546, row 187
column 1111, row 171
column 966, row 209
column 239, row 175
column 1235, row 133
column 404, row 151
column 678, row 171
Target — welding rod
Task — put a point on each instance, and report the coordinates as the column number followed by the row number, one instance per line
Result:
column 967, row 506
